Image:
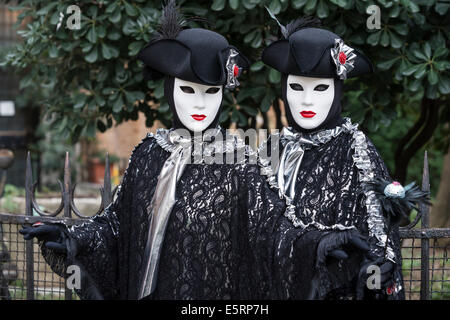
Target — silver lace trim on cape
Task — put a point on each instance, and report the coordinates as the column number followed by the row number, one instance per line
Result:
column 376, row 221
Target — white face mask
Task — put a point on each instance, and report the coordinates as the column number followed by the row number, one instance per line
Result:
column 309, row 99
column 196, row 104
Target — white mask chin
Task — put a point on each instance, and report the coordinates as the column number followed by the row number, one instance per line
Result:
column 309, row 99
column 196, row 104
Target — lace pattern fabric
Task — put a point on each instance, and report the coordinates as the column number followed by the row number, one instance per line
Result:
column 329, row 192
column 215, row 245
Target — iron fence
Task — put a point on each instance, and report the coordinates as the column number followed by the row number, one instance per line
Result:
column 25, row 275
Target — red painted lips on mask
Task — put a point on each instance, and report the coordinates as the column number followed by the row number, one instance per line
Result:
column 307, row 114
column 198, row 117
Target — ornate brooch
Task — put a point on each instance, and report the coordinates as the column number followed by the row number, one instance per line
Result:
column 394, row 190
column 344, row 58
column 233, row 70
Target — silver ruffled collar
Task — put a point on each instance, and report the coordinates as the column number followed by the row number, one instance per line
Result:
column 203, row 146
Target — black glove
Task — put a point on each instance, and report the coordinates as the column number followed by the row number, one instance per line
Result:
column 386, row 271
column 354, row 238
column 51, row 235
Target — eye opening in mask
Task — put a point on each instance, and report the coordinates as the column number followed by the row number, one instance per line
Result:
column 296, row 86
column 212, row 90
column 321, row 87
column 187, row 89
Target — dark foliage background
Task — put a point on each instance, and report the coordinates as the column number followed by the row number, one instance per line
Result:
column 83, row 79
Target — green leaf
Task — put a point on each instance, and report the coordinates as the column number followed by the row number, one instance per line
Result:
column 257, row 66
column 433, row 77
column 385, row 65
column 414, row 8
column 442, row 7
column 322, row 10
column 130, row 9
column 113, row 35
column 118, row 104
column 234, row 116
column 134, row 48
column 297, row 4
column 224, row 115
column 431, row 92
column 249, row 4
column 444, row 85
column 80, row 101
column 441, row 65
column 274, row 76
column 92, row 56
column 234, row 4
column 396, row 42
column 384, row 41
column 410, row 70
column 218, row 5
column 91, row 129
column 53, row 51
column 394, row 11
column 116, row 16
column 414, row 85
column 418, row 54
column 440, row 52
column 427, row 50
column 106, row 51
column 275, row 6
column 310, row 6
column 267, row 101
column 257, row 41
column 112, row 7
column 401, row 29
column 249, row 37
column 92, row 35
column 249, row 110
column 243, row 121
column 133, row 96
column 420, row 71
column 46, row 9
column 101, row 31
column 374, row 38
column 340, row 3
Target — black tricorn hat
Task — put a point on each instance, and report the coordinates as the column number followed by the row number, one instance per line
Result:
column 306, row 50
column 196, row 54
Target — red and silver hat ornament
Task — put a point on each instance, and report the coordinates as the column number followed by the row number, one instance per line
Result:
column 233, row 70
column 344, row 58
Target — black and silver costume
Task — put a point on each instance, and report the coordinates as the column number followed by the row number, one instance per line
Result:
column 322, row 175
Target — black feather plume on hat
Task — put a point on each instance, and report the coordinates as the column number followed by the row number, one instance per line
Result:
column 295, row 25
column 395, row 208
column 171, row 23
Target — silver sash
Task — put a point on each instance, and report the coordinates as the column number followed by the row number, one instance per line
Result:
column 160, row 208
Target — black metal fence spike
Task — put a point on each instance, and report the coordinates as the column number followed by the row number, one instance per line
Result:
column 29, row 250
column 107, row 195
column 66, row 193
column 425, row 242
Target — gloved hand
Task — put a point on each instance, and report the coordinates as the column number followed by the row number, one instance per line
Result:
column 354, row 238
column 51, row 235
column 386, row 272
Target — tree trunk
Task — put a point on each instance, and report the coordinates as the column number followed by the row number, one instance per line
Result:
column 440, row 212
column 416, row 137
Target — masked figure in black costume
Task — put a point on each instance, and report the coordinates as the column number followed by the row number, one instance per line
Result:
column 178, row 229
column 333, row 228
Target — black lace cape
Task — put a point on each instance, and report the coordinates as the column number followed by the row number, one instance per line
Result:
column 217, row 244
column 328, row 186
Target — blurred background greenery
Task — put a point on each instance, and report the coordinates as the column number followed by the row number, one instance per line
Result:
column 83, row 79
